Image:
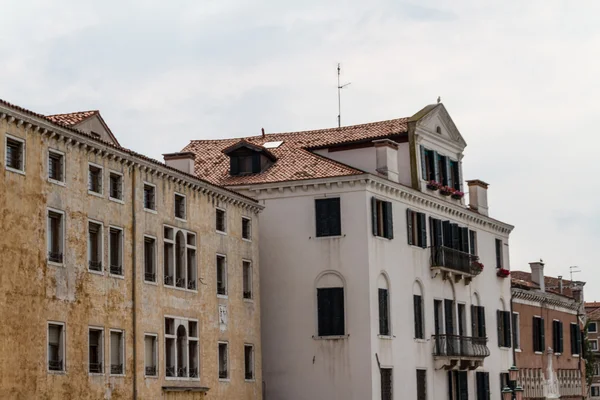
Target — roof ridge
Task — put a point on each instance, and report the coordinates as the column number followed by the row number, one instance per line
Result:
column 74, row 112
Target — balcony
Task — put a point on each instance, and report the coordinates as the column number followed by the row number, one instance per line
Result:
column 459, row 352
column 455, row 262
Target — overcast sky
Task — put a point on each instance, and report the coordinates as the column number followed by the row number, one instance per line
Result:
column 519, row 78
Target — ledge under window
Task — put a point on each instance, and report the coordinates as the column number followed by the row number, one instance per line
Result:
column 336, row 337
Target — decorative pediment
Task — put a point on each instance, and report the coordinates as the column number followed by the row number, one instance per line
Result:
column 436, row 121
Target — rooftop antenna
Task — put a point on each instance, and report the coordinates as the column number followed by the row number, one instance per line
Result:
column 340, row 87
column 573, row 270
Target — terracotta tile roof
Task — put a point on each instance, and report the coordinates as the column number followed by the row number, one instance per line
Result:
column 295, row 161
column 523, row 279
column 71, row 119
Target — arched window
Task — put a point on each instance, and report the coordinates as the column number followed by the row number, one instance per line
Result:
column 419, row 320
column 438, row 129
column 181, row 348
column 180, row 267
column 330, row 305
column 384, row 305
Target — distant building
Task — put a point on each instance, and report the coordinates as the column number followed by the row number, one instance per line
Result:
column 378, row 281
column 548, row 313
column 592, row 311
column 121, row 277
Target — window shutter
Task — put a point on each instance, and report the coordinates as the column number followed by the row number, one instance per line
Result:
column 542, row 335
column 455, row 237
column 474, row 317
column 486, row 385
column 338, row 311
column 423, row 164
column 463, row 387
column 472, row 243
column 389, row 220
column 507, row 331
column 482, row 330
column 409, row 225
column 465, row 239
column 374, row 215
column 449, row 316
column 418, row 316
column 444, row 172
column 324, row 312
column 560, row 337
column 499, row 322
column 447, row 234
column 448, row 174
column 423, row 230
column 383, row 312
column 535, row 331
column 234, row 165
column 255, row 163
column 436, row 172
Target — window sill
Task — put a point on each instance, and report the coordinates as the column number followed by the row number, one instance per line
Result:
column 96, row 373
column 55, row 182
column 250, row 380
column 383, row 238
column 56, row 264
column 179, row 288
column 17, row 171
column 116, row 276
column 154, row 283
column 417, row 246
column 151, row 211
column 539, row 353
column 225, row 380
column 101, row 195
column 100, row 273
column 151, row 376
column 120, row 201
column 222, row 296
column 57, row 372
column 336, row 337
column 180, row 219
column 117, row 375
column 419, row 340
column 504, row 348
column 249, row 301
column 180, row 378
column 330, row 237
column 385, row 337
column 221, row 232
column 247, row 240
column 518, row 350
column 575, row 355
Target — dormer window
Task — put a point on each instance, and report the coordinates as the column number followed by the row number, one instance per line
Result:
column 245, row 164
column 439, row 168
column 246, row 158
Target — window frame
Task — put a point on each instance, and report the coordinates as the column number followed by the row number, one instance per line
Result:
column 63, row 166
column 185, row 214
column 121, row 182
column 173, row 336
column 23, row 143
column 595, row 326
column 383, row 224
column 224, row 211
column 62, row 346
column 247, row 263
column 576, row 341
column 558, row 340
column 421, row 396
column 592, row 387
column 90, row 191
column 318, row 334
column 225, row 276
column 386, row 317
column 101, row 247
column 252, row 363
column 122, row 352
column 153, row 186
column 100, row 352
column 121, row 250
column 592, row 349
column 541, row 336
column 155, row 267
column 156, row 357
column 391, row 377
column 227, row 363
column 337, row 231
column 516, row 330
column 499, row 250
column 187, row 247
column 62, row 242
column 416, row 228
column 249, row 222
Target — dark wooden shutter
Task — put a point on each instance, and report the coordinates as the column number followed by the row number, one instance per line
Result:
column 483, row 385
column 482, row 329
column 474, row 330
column 465, row 239
column 422, row 230
column 374, row 220
column 437, row 235
column 384, row 322
column 447, row 228
column 328, row 217
column 423, row 164
column 499, row 323
column 418, row 316
column 443, row 169
column 386, row 384
column 473, row 242
column 234, row 165
column 463, row 385
column 560, row 337
column 486, row 385
column 515, row 329
column 330, row 303
column 421, row 384
column 389, row 220
column 498, row 253
column 255, row 163
column 507, row 331
column 409, row 225
column 542, row 335
column 536, row 334
column 436, row 173
column 449, row 316
column 455, row 237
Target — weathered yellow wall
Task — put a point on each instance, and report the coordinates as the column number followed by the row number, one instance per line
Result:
column 33, row 292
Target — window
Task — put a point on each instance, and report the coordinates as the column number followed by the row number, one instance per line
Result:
column 192, row 268
column 382, row 219
column 504, row 382
column 516, row 331
column 593, row 345
column 95, row 179
column 473, row 243
column 116, row 186
column 179, row 206
column 246, row 229
column 428, row 165
column 539, row 341
column 170, row 354
column 149, row 259
column 575, row 339
column 458, row 387
column 452, row 236
column 193, row 349
column 328, row 217
column 418, row 316
column 592, row 327
column 150, row 355
column 386, row 384
column 247, row 279
column 421, row 384
column 330, row 303
column 499, row 253
column 384, row 315
column 15, row 154
column 95, row 351
column 220, row 221
column 168, row 256
column 56, row 231
column 94, row 246
column 248, row 362
column 595, row 391
column 478, row 321
column 438, row 168
column 596, row 369
column 56, row 166
column 221, row 276
column 149, row 197
column 116, row 250
column 504, row 335
column 223, row 361
column 557, row 337
column 244, row 164
column 117, row 353
column 416, row 228
column 482, row 381
column 56, row 346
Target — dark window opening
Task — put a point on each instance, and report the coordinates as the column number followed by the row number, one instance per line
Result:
column 575, row 339
column 499, row 253
column 539, row 338
column 220, row 220
column 55, row 166
column 116, row 251
column 95, row 351
column 418, row 316
column 482, row 381
column 95, row 179
column 14, row 154
column 421, row 384
column 55, row 348
column 179, row 206
column 55, row 237
column 248, row 362
column 557, row 337
column 116, row 186
column 245, row 164
column 478, row 322
column 247, row 279
column 458, row 387
column 149, row 197
column 95, row 246
column 416, row 228
column 221, row 276
column 330, row 303
column 382, row 218
column 246, row 229
column 328, row 217
column 149, row 259
column 384, row 315
column 504, row 333
column 223, row 362
column 386, row 384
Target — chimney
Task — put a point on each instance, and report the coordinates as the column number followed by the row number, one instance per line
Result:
column 478, row 196
column 182, row 161
column 537, row 274
column 560, row 284
column 577, row 289
column 386, row 152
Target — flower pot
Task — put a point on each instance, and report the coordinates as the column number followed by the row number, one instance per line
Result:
column 457, row 196
column 432, row 187
column 445, row 193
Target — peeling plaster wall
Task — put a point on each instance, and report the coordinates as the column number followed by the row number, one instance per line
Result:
column 32, row 292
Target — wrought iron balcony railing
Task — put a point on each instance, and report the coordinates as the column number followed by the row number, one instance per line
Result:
column 170, row 371
column 150, row 371
column 191, row 284
column 180, row 282
column 249, row 375
column 169, row 280
column 460, row 346
column 182, row 372
column 455, row 260
column 116, row 269
column 223, row 374
column 194, row 372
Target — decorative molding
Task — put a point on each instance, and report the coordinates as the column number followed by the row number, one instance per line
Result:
column 537, row 298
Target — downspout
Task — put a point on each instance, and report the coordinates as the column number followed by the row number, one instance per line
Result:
column 514, row 351
column 133, row 279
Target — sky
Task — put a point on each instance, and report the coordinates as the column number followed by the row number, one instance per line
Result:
column 519, row 79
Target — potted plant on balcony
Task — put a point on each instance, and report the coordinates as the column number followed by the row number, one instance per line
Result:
column 446, row 190
column 433, row 185
column 477, row 265
column 502, row 272
column 458, row 194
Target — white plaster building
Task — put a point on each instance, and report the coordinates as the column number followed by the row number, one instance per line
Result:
column 371, row 282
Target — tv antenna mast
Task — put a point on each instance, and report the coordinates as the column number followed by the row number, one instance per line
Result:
column 340, row 87
column 573, row 270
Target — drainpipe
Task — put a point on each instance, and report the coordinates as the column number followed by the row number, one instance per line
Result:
column 514, row 352
column 133, row 279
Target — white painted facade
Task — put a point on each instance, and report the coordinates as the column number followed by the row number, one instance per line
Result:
column 297, row 365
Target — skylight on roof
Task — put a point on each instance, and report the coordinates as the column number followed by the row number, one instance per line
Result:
column 272, row 145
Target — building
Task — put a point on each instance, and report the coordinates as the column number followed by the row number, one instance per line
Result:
column 122, row 277
column 548, row 313
column 378, row 282
column 592, row 311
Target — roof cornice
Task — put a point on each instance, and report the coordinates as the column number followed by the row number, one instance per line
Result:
column 545, row 298
column 37, row 123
